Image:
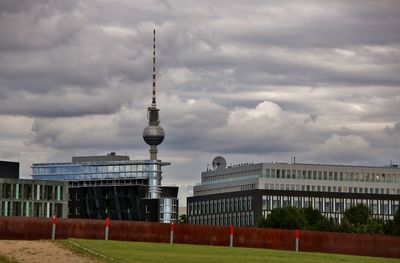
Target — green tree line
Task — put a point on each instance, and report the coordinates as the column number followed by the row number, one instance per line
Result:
column 356, row 219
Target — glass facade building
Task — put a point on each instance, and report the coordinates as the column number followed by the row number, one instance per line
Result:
column 115, row 186
column 97, row 170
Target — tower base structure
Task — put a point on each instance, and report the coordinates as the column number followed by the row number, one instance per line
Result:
column 153, row 152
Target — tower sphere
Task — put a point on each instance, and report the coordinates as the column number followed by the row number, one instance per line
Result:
column 153, row 135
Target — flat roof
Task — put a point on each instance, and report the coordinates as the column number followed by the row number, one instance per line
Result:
column 101, row 163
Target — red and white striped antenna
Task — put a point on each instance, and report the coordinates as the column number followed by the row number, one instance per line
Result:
column 153, row 101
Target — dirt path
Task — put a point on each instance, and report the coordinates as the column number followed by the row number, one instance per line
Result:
column 39, row 252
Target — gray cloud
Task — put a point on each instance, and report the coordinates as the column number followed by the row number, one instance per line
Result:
column 395, row 130
column 254, row 82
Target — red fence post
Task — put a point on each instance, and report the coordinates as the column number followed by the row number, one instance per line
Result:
column 107, row 228
column 171, row 233
column 53, row 228
column 297, row 234
column 231, row 236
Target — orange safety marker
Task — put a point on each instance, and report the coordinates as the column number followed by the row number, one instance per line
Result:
column 53, row 228
column 171, row 233
column 297, row 235
column 107, row 228
column 231, row 236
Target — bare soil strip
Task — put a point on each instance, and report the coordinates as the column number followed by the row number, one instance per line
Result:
column 39, row 252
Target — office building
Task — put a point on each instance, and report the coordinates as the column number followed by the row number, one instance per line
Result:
column 112, row 185
column 33, row 198
column 240, row 194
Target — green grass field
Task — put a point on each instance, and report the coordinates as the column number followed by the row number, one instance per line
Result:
column 177, row 253
column 6, row 260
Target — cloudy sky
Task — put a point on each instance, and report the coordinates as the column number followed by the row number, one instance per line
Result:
column 249, row 80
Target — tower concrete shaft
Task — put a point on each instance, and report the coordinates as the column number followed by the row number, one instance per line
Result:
column 153, row 152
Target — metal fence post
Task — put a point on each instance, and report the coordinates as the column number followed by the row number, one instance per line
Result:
column 231, row 236
column 297, row 234
column 107, row 228
column 171, row 233
column 53, row 228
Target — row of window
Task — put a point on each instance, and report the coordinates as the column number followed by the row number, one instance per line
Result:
column 168, row 210
column 31, row 191
column 340, row 189
column 31, row 209
column 218, row 190
column 235, row 219
column 168, row 217
column 94, row 176
column 384, row 209
column 168, row 201
column 217, row 206
column 80, row 169
column 231, row 176
column 332, row 175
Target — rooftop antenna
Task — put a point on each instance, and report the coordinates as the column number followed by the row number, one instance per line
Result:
column 153, row 101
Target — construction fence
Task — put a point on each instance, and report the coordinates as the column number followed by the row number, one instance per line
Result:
column 310, row 241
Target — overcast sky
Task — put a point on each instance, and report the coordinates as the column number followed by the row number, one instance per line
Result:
column 249, row 80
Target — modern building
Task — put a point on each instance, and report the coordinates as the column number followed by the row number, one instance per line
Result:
column 241, row 194
column 116, row 186
column 32, row 198
column 113, row 185
column 9, row 169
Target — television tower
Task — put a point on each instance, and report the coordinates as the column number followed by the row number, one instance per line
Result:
column 153, row 134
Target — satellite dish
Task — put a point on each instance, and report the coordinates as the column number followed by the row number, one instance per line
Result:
column 218, row 163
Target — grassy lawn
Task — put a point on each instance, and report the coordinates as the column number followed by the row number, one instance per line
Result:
column 6, row 260
column 177, row 253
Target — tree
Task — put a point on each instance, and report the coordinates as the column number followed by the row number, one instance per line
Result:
column 261, row 222
column 316, row 220
column 286, row 217
column 346, row 226
column 324, row 224
column 182, row 219
column 313, row 216
column 374, row 226
column 357, row 215
column 388, row 227
column 396, row 223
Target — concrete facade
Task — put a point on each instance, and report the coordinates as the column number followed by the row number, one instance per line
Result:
column 242, row 193
column 33, row 198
